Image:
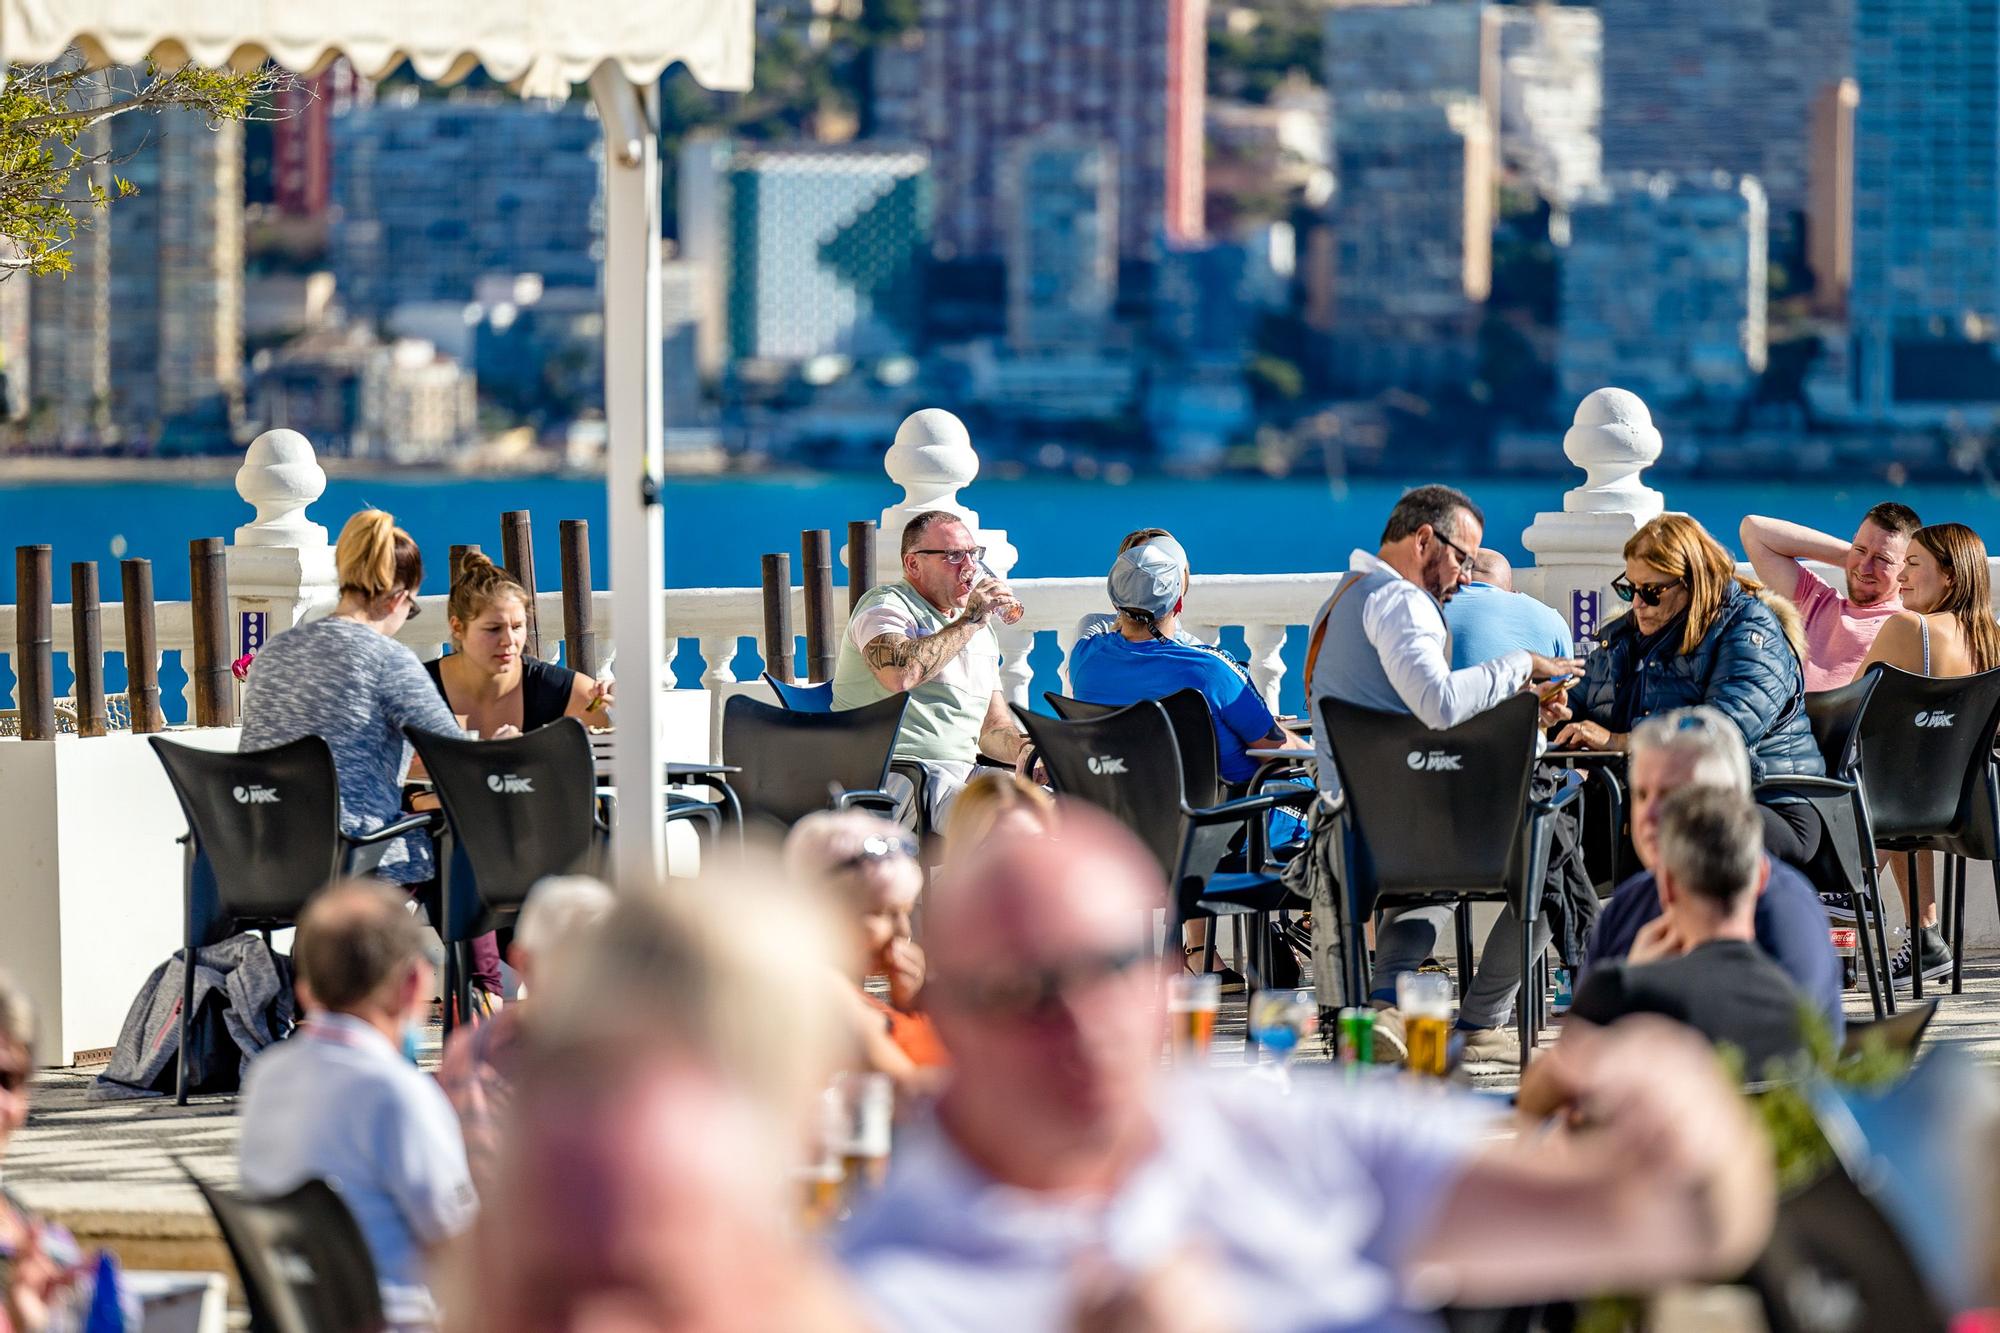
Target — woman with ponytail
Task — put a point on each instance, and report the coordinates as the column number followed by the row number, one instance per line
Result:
column 488, row 679
column 345, row 679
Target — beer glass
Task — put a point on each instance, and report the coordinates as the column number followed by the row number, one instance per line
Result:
column 1192, row 999
column 867, row 1112
column 1425, row 1001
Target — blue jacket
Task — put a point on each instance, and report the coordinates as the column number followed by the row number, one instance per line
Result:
column 1744, row 667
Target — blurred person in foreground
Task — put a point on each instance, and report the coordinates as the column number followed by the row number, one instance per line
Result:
column 1840, row 626
column 39, row 1261
column 1488, row 619
column 1947, row 629
column 927, row 635
column 870, row 865
column 1066, row 1180
column 480, row 1059
column 343, row 1101
column 672, row 1074
column 1699, row 747
column 1698, row 962
column 996, row 804
column 1381, row 642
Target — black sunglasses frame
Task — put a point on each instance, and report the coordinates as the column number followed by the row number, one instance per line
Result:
column 1647, row 593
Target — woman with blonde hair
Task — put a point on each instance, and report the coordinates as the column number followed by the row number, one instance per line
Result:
column 1945, row 629
column 1701, row 633
column 488, row 679
column 996, row 801
column 345, row 679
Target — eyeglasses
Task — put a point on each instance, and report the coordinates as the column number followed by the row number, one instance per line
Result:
column 955, row 558
column 1036, row 992
column 1648, row 594
column 876, row 847
column 1464, row 556
column 414, row 610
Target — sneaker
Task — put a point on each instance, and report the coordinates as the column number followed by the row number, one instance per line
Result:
column 1936, row 957
column 1392, row 1046
column 1838, row 907
column 1491, row 1046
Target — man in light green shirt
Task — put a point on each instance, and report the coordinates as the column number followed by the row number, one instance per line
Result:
column 927, row 635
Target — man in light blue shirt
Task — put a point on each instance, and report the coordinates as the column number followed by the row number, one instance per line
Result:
column 1488, row 619
column 343, row 1101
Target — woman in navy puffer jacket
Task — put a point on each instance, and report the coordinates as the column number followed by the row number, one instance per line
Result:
column 1699, row 633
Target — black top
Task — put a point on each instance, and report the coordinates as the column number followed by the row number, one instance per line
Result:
column 1727, row 990
column 545, row 690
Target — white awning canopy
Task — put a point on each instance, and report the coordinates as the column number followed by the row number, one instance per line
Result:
column 541, row 47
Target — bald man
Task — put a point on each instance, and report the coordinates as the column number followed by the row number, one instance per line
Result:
column 1488, row 619
column 1064, row 1182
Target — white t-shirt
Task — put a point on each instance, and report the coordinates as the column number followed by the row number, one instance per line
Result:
column 1307, row 1204
column 974, row 672
column 338, row 1103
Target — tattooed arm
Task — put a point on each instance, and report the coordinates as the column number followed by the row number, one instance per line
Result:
column 902, row 663
column 1000, row 736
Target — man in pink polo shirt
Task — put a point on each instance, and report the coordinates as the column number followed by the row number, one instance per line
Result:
column 1839, row 630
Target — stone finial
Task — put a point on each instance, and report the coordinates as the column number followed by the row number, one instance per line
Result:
column 1613, row 440
column 932, row 460
column 280, row 476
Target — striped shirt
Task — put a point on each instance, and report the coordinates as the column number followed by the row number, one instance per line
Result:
column 357, row 690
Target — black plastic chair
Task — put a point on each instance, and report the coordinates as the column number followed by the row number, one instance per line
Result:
column 304, row 1263
column 1899, row 1034
column 794, row 764
column 802, row 698
column 263, row 837
column 1928, row 776
column 1442, row 817
column 516, row 810
column 1127, row 762
column 1846, row 860
column 1833, row 1250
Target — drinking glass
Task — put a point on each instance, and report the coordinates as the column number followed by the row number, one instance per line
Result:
column 867, row 1110
column 1425, row 1001
column 1280, row 1021
column 1192, row 999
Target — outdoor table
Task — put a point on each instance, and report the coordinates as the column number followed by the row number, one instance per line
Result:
column 681, row 773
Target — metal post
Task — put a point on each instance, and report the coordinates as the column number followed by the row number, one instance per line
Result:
column 208, row 584
column 816, row 572
column 458, row 554
column 778, row 647
column 579, row 647
column 86, row 653
column 517, row 548
column 142, row 648
column 860, row 562
column 34, row 647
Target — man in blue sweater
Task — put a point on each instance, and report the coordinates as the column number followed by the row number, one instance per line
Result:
column 1692, row 747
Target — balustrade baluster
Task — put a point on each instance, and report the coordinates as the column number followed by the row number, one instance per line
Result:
column 1267, row 665
column 1066, row 639
column 1017, row 675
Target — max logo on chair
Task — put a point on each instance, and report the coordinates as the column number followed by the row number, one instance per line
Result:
column 509, row 784
column 255, row 795
column 1939, row 718
column 1435, row 761
column 1106, row 764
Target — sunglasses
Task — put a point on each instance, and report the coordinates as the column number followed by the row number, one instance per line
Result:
column 876, row 847
column 1036, row 992
column 1649, row 594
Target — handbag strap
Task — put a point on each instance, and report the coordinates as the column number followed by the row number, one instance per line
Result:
column 1319, row 631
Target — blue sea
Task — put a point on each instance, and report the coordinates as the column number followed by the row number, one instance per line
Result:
column 718, row 528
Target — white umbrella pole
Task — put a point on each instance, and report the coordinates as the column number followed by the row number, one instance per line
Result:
column 633, row 408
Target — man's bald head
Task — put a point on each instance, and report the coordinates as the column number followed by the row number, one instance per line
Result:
column 1044, row 990
column 354, row 940
column 1489, row 566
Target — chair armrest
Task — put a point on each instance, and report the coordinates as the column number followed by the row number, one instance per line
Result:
column 1571, row 792
column 847, row 800
column 430, row 820
column 1240, row 809
column 1806, row 785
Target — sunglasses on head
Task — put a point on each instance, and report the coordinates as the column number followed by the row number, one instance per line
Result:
column 1649, row 594
column 876, row 847
column 1038, row 990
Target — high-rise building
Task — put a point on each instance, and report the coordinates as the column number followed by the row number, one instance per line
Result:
column 302, row 138
column 1130, row 72
column 1703, row 85
column 1416, row 48
column 142, row 344
column 435, row 194
column 1062, row 242
column 816, row 249
column 1830, row 212
column 1543, row 80
column 1925, row 305
column 1663, row 290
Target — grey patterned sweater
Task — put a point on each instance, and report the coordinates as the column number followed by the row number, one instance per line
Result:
column 340, row 680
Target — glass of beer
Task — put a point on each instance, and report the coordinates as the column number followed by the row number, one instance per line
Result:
column 1192, row 999
column 868, row 1112
column 1425, row 1001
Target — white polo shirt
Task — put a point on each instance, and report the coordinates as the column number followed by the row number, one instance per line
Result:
column 337, row 1102
column 1307, row 1205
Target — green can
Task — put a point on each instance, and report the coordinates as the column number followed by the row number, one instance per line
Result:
column 1357, row 1036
